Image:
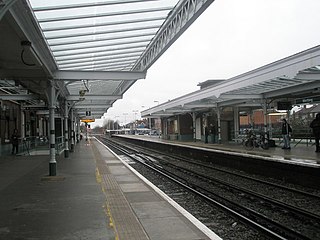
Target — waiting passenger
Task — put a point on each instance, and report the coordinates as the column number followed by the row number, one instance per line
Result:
column 315, row 125
column 15, row 141
column 286, row 130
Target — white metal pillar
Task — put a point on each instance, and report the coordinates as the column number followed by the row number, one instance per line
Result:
column 78, row 129
column 194, row 126
column 66, row 149
column 52, row 103
column 219, row 125
column 236, row 122
column 265, row 123
column 72, row 131
column 23, row 130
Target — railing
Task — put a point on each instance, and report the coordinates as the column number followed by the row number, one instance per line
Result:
column 298, row 135
column 33, row 145
column 59, row 144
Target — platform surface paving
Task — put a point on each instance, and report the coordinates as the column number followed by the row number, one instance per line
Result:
column 94, row 196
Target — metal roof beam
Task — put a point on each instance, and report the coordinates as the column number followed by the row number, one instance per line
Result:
column 85, row 5
column 101, row 51
column 68, row 36
column 157, row 115
column 100, row 39
column 235, row 102
column 204, row 105
column 83, row 26
column 98, row 75
column 94, row 97
column 93, row 110
column 101, row 65
column 312, row 86
column 17, row 97
column 308, row 76
column 249, row 104
column 100, row 45
column 98, row 57
column 120, row 67
column 99, row 62
column 108, row 14
column 241, row 96
column 92, row 106
column 96, row 112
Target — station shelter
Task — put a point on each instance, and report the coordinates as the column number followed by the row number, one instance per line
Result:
column 223, row 108
column 63, row 63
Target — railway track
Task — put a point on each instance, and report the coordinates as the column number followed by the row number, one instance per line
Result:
column 270, row 217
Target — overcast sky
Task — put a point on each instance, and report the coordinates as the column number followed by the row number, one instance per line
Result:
column 230, row 38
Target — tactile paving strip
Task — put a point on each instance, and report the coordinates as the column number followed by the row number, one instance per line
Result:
column 127, row 226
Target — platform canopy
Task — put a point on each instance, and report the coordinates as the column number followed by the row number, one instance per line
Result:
column 93, row 51
column 294, row 79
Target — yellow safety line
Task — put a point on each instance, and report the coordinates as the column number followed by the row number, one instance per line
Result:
column 106, row 206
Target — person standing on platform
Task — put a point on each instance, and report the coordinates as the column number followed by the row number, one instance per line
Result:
column 206, row 134
column 15, row 141
column 315, row 125
column 286, row 130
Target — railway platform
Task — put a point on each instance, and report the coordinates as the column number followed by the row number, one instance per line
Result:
column 95, row 195
column 299, row 154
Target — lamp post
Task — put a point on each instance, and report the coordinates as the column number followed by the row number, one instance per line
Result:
column 116, row 117
column 135, row 119
column 125, row 121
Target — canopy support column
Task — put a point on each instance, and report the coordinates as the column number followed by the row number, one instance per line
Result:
column 194, row 126
column 219, row 125
column 52, row 103
column 265, row 123
column 236, row 122
column 72, row 131
column 66, row 150
column 78, row 129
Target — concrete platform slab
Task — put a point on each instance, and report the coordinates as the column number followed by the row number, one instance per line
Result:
column 119, row 170
column 126, row 178
column 133, row 187
column 169, row 228
column 157, row 209
column 138, row 197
